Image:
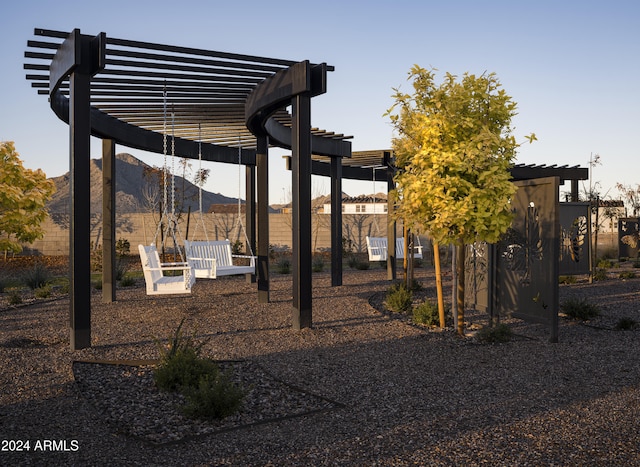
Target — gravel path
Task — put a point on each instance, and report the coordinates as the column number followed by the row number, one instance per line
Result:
column 360, row 388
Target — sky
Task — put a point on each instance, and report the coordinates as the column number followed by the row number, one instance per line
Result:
column 572, row 67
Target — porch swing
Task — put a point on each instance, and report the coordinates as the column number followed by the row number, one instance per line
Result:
column 377, row 246
column 166, row 277
column 211, row 259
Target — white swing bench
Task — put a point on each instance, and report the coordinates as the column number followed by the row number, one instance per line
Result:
column 211, row 259
column 156, row 281
column 377, row 248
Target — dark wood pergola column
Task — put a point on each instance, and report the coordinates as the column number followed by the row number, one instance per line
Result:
column 336, row 221
column 108, row 220
column 262, row 168
column 301, row 183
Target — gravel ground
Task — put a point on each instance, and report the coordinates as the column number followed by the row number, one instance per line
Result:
column 360, row 388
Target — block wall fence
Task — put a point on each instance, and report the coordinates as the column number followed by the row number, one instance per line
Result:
column 142, row 228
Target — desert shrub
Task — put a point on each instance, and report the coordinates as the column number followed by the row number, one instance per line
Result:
column 497, row 334
column 352, row 260
column 318, row 264
column 579, row 308
column 43, row 292
column 127, row 281
column 626, row 324
column 123, row 247
column 183, row 369
column 284, row 266
column 605, row 263
column 627, row 275
column 215, row 396
column 36, row 277
column 15, row 297
column 208, row 392
column 399, row 298
column 122, row 267
column 567, row 279
column 426, row 313
column 600, row 274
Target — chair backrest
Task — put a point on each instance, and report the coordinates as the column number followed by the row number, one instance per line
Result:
column 400, row 247
column 220, row 250
column 150, row 263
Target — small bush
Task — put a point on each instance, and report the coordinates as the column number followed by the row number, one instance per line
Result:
column 15, row 298
column 318, row 264
column 498, row 334
column 97, row 284
column 567, row 279
column 214, row 397
column 427, row 314
column 36, row 277
column 208, row 392
column 183, row 370
column 605, row 263
column 579, row 308
column 636, row 264
column 626, row 324
column 127, row 281
column 627, row 275
column 284, row 266
column 123, row 247
column 43, row 292
column 600, row 274
column 352, row 261
column 362, row 265
column 399, row 298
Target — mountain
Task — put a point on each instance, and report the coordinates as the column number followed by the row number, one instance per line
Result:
column 137, row 188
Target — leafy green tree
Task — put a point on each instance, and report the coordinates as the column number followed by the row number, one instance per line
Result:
column 23, row 196
column 454, row 149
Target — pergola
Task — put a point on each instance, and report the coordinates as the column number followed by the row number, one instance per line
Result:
column 227, row 107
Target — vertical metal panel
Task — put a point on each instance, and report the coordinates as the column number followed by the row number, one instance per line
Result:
column 477, row 276
column 108, row 220
column 262, row 168
column 527, row 264
column 336, row 221
column 628, row 238
column 575, row 238
column 301, row 172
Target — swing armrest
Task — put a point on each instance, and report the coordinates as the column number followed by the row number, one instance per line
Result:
column 252, row 259
column 173, row 266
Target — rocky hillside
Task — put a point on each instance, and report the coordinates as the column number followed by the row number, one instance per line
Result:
column 138, row 188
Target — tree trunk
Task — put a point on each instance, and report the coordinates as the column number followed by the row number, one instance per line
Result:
column 436, row 263
column 460, row 296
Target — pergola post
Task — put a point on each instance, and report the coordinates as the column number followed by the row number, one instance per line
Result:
column 262, row 168
column 80, row 191
column 301, row 183
column 108, row 220
column 336, row 221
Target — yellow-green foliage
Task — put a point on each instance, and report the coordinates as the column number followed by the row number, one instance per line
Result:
column 454, row 149
column 23, row 196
